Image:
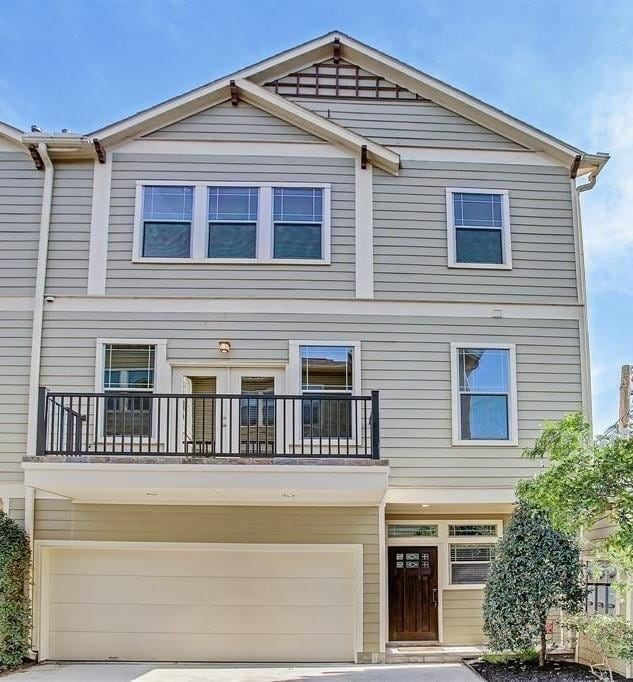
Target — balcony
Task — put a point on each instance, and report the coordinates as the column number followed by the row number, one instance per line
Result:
column 209, row 425
column 123, row 446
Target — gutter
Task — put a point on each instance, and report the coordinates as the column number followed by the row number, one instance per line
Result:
column 38, row 297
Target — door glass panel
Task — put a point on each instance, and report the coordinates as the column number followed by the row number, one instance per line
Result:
column 257, row 416
column 200, row 420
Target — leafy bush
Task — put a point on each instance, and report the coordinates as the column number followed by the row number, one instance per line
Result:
column 536, row 569
column 15, row 611
column 505, row 657
column 612, row 636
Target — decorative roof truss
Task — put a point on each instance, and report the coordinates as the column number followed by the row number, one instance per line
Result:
column 338, row 78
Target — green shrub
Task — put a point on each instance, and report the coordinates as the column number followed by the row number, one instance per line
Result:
column 15, row 611
column 612, row 636
column 535, row 569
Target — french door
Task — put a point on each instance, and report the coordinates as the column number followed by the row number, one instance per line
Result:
column 247, row 423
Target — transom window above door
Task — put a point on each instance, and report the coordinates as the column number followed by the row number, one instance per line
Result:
column 232, row 223
column 478, row 222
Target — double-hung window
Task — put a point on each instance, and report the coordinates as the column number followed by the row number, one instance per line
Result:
column 297, row 223
column 232, row 222
column 478, row 228
column 484, row 394
column 167, row 221
column 129, row 380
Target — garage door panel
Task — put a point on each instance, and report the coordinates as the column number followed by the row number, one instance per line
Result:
column 199, row 590
column 201, row 647
column 204, row 564
column 202, row 619
column 224, row 605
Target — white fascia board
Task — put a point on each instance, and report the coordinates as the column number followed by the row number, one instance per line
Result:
column 210, row 484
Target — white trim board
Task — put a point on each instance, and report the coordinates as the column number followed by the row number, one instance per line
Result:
column 99, row 227
column 328, row 150
column 42, row 549
column 167, row 304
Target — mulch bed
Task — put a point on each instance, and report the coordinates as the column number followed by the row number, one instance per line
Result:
column 561, row 671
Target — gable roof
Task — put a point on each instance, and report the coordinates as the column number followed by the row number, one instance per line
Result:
column 11, row 133
column 253, row 78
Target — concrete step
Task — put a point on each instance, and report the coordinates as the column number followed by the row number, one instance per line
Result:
column 430, row 653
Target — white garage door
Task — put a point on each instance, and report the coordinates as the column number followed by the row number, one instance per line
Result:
column 265, row 604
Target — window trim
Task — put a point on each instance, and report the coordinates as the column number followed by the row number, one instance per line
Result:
column 513, row 422
column 506, row 232
column 474, row 540
column 443, row 542
column 199, row 224
column 162, row 370
column 293, row 376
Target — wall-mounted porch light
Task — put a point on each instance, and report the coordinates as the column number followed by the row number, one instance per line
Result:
column 224, row 346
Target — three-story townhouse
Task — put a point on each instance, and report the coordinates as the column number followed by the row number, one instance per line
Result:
column 271, row 370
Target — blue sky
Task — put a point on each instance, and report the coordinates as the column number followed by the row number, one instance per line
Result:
column 565, row 67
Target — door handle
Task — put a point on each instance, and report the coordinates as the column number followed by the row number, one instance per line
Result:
column 434, row 596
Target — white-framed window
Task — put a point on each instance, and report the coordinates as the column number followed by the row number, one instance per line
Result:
column 331, row 368
column 478, row 223
column 484, row 394
column 230, row 222
column 470, row 563
column 129, row 371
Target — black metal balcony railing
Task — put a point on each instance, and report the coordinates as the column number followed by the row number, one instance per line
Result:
column 214, row 425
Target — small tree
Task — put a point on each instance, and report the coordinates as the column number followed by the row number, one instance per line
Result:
column 15, row 612
column 587, row 481
column 536, row 568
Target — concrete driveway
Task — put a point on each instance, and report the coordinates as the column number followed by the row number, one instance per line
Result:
column 143, row 672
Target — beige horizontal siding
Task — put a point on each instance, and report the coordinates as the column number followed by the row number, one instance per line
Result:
column 406, row 358
column 69, row 239
column 410, row 234
column 287, row 281
column 463, row 616
column 243, row 123
column 20, row 211
column 410, row 123
column 15, row 358
column 62, row 520
column 16, row 510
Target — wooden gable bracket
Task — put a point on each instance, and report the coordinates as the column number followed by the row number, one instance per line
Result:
column 363, row 157
column 337, row 50
column 235, row 95
column 101, row 155
column 35, row 155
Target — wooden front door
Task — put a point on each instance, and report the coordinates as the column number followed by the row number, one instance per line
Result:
column 413, row 594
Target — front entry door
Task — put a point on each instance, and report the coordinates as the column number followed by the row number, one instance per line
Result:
column 413, row 594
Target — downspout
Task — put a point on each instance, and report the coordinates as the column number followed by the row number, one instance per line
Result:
column 36, row 346
column 38, row 298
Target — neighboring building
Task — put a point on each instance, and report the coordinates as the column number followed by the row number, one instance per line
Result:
column 294, row 328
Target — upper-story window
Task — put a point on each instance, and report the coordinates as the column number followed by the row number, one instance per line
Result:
column 298, row 222
column 478, row 228
column 232, row 223
column 484, row 394
column 167, row 215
